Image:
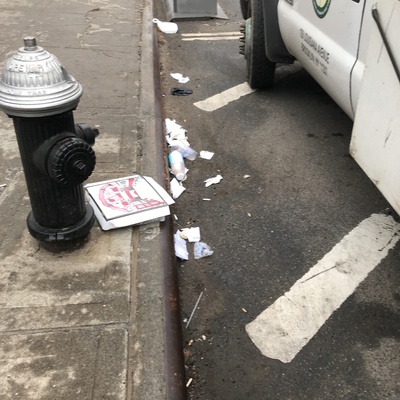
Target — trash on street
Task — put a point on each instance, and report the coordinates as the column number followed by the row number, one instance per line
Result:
column 177, row 139
column 177, row 164
column 180, row 247
column 176, row 188
column 181, row 91
column 131, row 200
column 194, row 309
column 174, row 131
column 191, row 234
column 179, row 77
column 201, row 250
column 213, row 181
column 183, row 146
column 166, row 27
column 207, row 155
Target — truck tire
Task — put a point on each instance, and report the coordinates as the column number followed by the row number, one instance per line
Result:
column 260, row 70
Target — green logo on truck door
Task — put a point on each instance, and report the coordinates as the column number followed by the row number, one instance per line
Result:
column 321, row 7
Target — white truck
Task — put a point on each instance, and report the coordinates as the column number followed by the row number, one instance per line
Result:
column 352, row 49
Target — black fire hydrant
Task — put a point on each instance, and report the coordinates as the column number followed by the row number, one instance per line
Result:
column 39, row 95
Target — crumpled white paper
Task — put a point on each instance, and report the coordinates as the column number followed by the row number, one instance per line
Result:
column 207, row 155
column 191, row 234
column 176, row 188
column 214, row 180
column 180, row 247
column 174, row 131
column 179, row 77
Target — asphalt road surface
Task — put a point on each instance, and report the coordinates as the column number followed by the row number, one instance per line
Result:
column 300, row 299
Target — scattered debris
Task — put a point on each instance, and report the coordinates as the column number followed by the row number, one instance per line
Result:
column 180, row 247
column 246, row 176
column 249, row 214
column 174, row 131
column 207, row 155
column 244, row 310
column 177, row 140
column 191, row 234
column 204, row 337
column 189, row 382
column 183, row 146
column 181, row 91
column 194, row 309
column 179, row 77
column 214, row 180
column 201, row 250
column 166, row 27
column 176, row 189
column 3, row 185
column 131, row 200
column 176, row 137
column 177, row 164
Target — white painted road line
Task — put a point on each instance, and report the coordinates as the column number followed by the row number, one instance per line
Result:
column 209, row 38
column 224, row 98
column 212, row 34
column 285, row 327
column 189, row 37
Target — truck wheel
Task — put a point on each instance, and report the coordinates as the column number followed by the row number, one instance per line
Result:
column 244, row 6
column 260, row 70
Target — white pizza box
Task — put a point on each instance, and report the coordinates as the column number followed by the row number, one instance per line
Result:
column 131, row 200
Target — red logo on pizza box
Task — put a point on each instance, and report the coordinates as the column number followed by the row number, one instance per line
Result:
column 122, row 196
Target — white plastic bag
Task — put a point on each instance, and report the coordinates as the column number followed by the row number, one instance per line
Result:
column 166, row 27
column 201, row 250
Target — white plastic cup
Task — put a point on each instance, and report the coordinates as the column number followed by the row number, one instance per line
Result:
column 184, row 149
column 177, row 164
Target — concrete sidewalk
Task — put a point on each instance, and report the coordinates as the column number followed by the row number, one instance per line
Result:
column 89, row 324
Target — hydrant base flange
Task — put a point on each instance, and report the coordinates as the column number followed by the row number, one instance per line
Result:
column 68, row 234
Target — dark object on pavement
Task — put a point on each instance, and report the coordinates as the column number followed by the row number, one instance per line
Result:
column 182, row 91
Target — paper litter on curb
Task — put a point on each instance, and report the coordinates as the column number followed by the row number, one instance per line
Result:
column 131, row 200
column 179, row 77
column 176, row 188
column 174, row 131
column 207, row 155
column 213, row 181
column 180, row 247
column 191, row 234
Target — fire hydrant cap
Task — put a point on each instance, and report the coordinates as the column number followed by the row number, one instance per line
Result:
column 33, row 83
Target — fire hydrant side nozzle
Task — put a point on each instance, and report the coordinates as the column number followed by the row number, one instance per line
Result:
column 39, row 95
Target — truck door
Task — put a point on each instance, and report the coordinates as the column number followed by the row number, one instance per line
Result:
column 323, row 35
column 375, row 142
